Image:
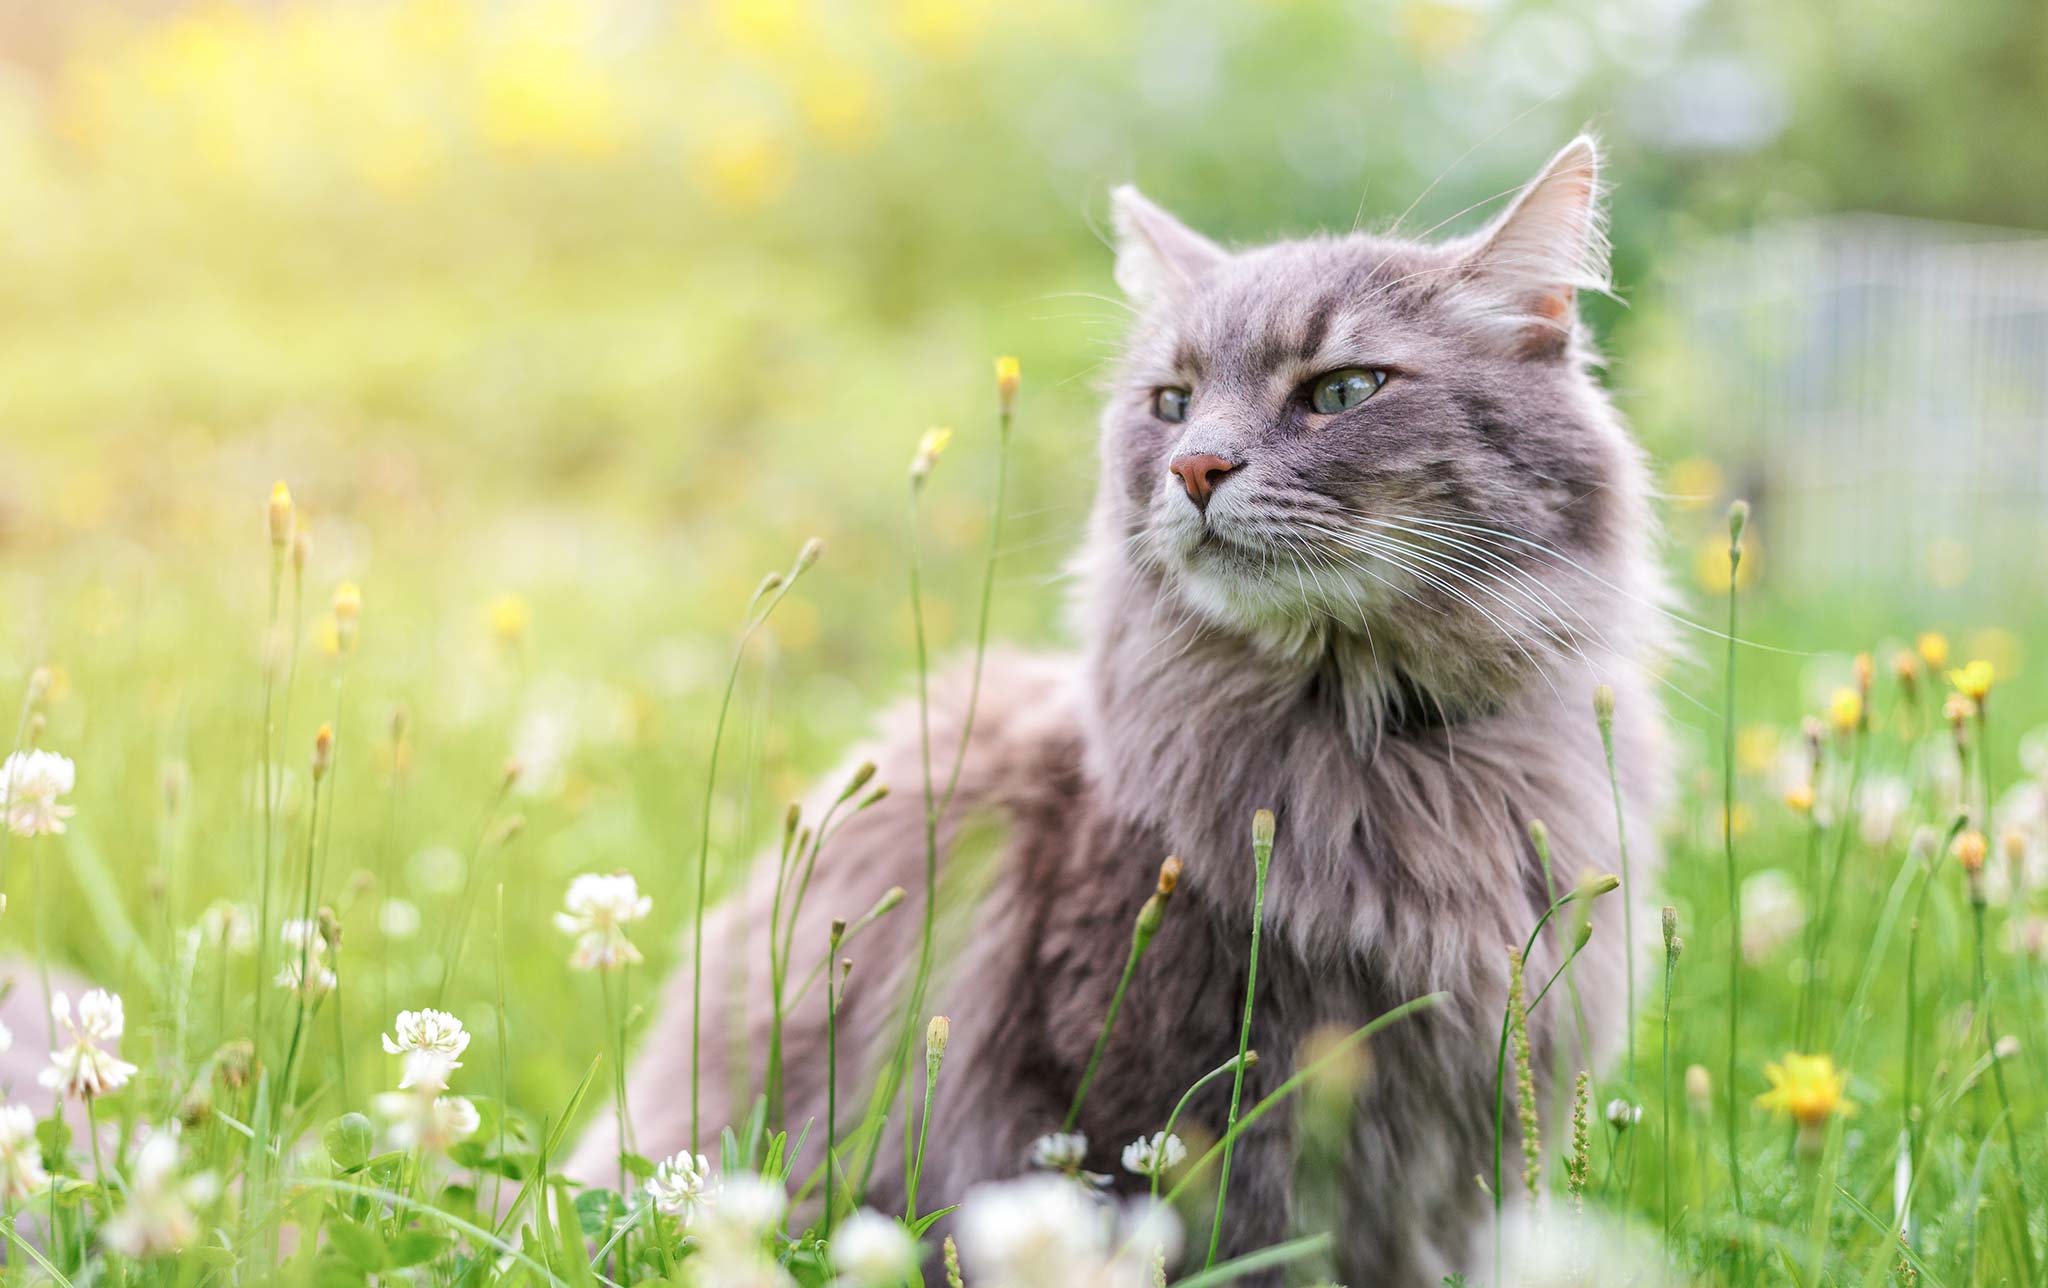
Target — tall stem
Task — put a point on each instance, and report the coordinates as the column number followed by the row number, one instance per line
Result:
column 1262, row 858
column 1738, row 515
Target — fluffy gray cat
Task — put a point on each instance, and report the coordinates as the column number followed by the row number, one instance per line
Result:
column 1367, row 536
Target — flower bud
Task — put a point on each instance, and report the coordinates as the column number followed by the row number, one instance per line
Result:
column 1670, row 926
column 348, row 609
column 809, row 554
column 323, row 752
column 280, row 516
column 929, row 448
column 1009, row 378
column 1603, row 704
column 1699, row 1090
column 1262, row 829
column 936, row 1035
column 1169, row 875
column 1595, row 884
column 1738, row 519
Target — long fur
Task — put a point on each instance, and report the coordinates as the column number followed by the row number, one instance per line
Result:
column 1386, row 627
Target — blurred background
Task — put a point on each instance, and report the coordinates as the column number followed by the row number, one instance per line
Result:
column 566, row 319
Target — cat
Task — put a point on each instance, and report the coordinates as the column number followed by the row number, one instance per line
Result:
column 1367, row 536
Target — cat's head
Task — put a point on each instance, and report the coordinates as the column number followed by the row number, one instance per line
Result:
column 1371, row 438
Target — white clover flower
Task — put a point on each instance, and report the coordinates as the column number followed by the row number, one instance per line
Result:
column 21, row 1157
column 428, row 1033
column 1060, row 1151
column 1154, row 1155
column 158, row 1217
column 749, row 1206
column 873, row 1250
column 1029, row 1231
column 228, row 925
column 306, row 949
column 682, row 1186
column 1773, row 911
column 597, row 911
column 421, row 1117
column 80, row 1068
column 1622, row 1115
column 30, row 783
column 1881, row 805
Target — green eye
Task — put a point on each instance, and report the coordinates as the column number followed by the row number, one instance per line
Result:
column 1171, row 405
column 1343, row 390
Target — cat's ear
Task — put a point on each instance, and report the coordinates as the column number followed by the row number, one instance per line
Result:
column 1529, row 267
column 1157, row 256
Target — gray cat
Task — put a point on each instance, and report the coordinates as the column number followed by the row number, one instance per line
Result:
column 1367, row 536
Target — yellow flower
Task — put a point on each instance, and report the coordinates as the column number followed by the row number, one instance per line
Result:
column 1808, row 1087
column 1009, row 376
column 1756, row 748
column 1693, row 482
column 1969, row 849
column 1845, row 710
column 509, row 617
column 929, row 449
column 1934, row 650
column 280, row 515
column 348, row 608
column 1799, row 799
column 1973, row 680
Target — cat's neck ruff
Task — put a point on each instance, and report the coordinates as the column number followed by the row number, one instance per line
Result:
column 1400, row 809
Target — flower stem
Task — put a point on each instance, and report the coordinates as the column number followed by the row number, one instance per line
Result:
column 1737, row 518
column 1262, row 858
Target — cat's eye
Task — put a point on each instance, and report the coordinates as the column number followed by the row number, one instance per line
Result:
column 1343, row 390
column 1171, row 405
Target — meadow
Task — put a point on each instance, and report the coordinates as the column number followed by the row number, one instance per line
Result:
column 556, row 361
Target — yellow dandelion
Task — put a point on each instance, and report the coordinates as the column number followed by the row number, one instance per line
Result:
column 1756, row 748
column 1809, row 1088
column 280, row 516
column 1009, row 377
column 1845, row 710
column 1973, row 680
column 509, row 617
column 1799, row 799
column 1933, row 646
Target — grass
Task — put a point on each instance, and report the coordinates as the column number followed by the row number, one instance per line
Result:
column 206, row 774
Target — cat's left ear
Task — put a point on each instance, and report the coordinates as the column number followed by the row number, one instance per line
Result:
column 1529, row 267
column 1157, row 256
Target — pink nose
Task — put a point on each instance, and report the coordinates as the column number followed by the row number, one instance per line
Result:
column 1199, row 474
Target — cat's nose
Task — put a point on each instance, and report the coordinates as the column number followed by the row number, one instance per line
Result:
column 1200, row 473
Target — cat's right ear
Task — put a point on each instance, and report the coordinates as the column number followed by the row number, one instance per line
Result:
column 1157, row 256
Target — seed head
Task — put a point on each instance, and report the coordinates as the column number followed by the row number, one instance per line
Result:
column 1957, row 710
column 1906, row 670
column 280, row 516
column 1009, row 376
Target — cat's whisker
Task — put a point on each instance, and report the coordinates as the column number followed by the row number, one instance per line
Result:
column 1550, row 551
